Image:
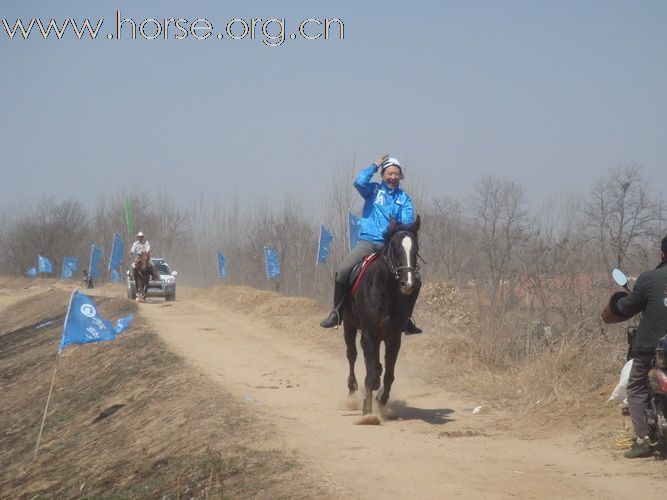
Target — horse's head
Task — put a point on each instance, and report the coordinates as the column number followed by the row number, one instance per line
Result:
column 400, row 252
column 144, row 257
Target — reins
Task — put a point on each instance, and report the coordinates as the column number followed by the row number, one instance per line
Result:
column 388, row 257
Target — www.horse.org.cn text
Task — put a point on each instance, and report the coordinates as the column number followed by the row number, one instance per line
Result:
column 272, row 32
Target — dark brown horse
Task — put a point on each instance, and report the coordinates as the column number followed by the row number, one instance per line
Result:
column 142, row 272
column 380, row 308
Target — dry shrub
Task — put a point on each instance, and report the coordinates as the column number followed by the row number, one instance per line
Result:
column 513, row 361
column 443, row 304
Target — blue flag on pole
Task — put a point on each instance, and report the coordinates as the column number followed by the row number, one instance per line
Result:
column 324, row 246
column 95, row 254
column 354, row 228
column 84, row 325
column 44, row 265
column 69, row 267
column 116, row 253
column 115, row 276
column 221, row 265
column 32, row 272
column 272, row 264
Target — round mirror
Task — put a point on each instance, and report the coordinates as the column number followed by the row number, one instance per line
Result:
column 619, row 277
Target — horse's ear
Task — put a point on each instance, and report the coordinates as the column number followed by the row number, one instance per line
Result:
column 392, row 225
column 416, row 224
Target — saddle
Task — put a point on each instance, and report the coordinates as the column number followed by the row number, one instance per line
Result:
column 357, row 273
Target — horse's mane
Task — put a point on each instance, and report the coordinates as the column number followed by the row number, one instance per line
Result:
column 396, row 228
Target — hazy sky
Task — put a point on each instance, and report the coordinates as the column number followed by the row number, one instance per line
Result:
column 548, row 93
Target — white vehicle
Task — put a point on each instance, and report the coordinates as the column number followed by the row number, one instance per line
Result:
column 165, row 287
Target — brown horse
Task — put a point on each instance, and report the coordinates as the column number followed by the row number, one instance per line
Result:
column 380, row 308
column 142, row 271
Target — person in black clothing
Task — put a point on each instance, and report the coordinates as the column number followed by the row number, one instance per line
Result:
column 649, row 295
column 87, row 280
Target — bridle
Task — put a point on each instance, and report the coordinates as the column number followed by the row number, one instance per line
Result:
column 388, row 257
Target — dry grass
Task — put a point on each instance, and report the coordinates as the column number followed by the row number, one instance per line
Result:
column 127, row 419
column 562, row 380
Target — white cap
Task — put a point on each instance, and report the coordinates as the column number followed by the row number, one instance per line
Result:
column 391, row 162
column 140, row 234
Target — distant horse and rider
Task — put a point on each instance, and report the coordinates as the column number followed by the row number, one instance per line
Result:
column 142, row 268
column 142, row 272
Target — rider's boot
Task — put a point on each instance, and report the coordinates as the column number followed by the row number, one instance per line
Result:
column 411, row 328
column 335, row 317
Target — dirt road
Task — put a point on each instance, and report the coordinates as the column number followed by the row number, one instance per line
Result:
column 433, row 447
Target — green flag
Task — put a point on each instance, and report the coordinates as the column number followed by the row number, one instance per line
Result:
column 128, row 217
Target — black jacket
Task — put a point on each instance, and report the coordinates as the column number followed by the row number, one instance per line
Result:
column 650, row 296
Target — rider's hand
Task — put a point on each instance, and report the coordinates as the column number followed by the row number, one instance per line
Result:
column 378, row 163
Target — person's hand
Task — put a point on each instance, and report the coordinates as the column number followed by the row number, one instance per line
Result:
column 378, row 163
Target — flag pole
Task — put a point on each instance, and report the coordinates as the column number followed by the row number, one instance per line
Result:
column 317, row 257
column 53, row 379
column 46, row 408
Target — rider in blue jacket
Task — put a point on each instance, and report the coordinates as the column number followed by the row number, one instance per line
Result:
column 383, row 201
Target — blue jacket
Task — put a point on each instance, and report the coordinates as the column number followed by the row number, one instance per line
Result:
column 381, row 204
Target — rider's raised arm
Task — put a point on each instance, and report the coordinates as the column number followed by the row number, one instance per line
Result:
column 363, row 181
column 635, row 301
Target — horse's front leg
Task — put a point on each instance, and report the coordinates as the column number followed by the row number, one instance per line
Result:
column 391, row 353
column 351, row 343
column 371, row 350
column 135, row 277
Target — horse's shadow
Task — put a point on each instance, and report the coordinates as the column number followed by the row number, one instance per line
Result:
column 397, row 410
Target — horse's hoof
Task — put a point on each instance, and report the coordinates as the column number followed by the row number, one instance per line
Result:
column 379, row 394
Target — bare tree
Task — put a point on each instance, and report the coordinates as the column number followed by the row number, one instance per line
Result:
column 53, row 229
column 497, row 208
column 341, row 199
column 447, row 242
column 622, row 216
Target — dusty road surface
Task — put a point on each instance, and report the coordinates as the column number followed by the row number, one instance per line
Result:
column 430, row 446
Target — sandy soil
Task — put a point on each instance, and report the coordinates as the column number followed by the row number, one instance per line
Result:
column 431, row 445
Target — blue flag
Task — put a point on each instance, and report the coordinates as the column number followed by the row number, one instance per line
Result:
column 354, row 228
column 95, row 254
column 324, row 245
column 32, row 272
column 116, row 253
column 272, row 264
column 221, row 265
column 84, row 325
column 69, row 267
column 44, row 265
column 115, row 276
